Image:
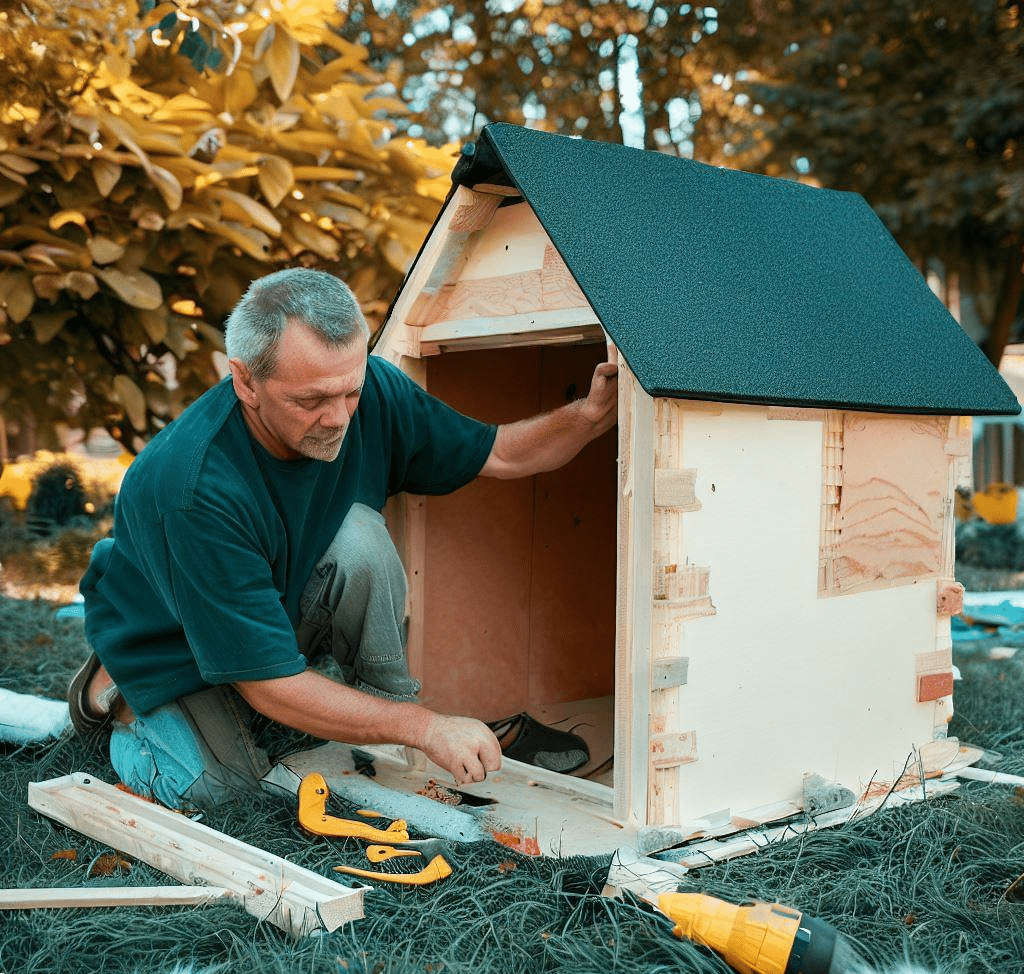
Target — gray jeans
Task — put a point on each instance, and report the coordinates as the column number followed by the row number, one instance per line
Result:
column 198, row 751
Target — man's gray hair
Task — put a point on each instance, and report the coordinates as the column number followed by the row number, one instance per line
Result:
column 322, row 302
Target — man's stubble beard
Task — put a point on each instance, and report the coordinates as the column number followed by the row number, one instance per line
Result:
column 317, row 449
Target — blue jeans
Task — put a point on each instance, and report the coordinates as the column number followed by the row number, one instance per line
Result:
column 198, row 751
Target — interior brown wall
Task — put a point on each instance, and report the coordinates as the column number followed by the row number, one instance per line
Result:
column 519, row 576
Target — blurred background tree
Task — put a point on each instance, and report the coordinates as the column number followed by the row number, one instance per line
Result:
column 153, row 162
column 919, row 106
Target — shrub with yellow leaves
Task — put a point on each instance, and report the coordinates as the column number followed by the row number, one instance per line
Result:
column 156, row 159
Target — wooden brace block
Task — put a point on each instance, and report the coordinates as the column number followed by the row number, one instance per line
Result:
column 676, row 489
column 934, row 686
column 669, row 672
column 949, row 597
column 672, row 750
column 269, row 887
column 938, row 661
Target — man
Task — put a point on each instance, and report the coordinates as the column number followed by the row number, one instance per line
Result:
column 247, row 540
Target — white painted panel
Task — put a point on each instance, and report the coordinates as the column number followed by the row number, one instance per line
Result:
column 513, row 241
column 782, row 682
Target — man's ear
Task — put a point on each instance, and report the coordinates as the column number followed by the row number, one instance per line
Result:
column 242, row 380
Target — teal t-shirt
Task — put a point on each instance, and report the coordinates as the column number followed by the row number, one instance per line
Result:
column 214, row 538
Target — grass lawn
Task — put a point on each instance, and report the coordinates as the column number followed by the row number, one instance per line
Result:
column 924, row 882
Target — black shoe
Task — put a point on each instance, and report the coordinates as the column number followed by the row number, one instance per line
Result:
column 524, row 739
column 86, row 720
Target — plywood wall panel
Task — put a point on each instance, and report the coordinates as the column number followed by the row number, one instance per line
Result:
column 781, row 681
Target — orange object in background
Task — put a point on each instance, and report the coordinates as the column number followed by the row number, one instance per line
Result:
column 997, row 503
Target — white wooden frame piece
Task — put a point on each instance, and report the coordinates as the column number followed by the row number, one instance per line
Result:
column 291, row 897
column 60, row 897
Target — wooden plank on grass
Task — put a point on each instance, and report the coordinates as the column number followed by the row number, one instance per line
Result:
column 58, row 897
column 295, row 899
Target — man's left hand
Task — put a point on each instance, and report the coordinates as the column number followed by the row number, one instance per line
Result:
column 601, row 405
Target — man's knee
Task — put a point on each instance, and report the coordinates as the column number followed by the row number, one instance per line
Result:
column 363, row 549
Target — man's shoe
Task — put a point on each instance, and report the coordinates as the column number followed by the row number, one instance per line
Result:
column 85, row 719
column 525, row 739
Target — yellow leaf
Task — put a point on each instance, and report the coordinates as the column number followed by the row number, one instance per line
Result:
column 106, row 174
column 283, row 63
column 183, row 103
column 313, row 173
column 309, row 238
column 130, row 396
column 276, row 178
column 124, row 133
column 238, row 206
column 47, row 325
column 168, row 185
column 63, row 254
column 103, row 250
column 17, row 295
column 137, row 289
column 239, row 92
column 180, row 338
column 264, row 41
column 154, row 323
column 68, row 216
column 311, row 142
column 9, row 195
column 347, row 215
column 253, row 242
column 18, row 163
column 47, row 286
column 13, row 176
column 191, row 215
column 82, row 283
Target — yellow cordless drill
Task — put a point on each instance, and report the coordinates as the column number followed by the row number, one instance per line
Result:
column 760, row 938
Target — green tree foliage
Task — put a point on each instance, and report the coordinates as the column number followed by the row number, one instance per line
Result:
column 917, row 105
column 560, row 65
column 153, row 162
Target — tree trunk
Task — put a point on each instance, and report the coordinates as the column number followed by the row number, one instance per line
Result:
column 1006, row 307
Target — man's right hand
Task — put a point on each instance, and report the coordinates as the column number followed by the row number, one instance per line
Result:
column 464, row 747
column 315, row 704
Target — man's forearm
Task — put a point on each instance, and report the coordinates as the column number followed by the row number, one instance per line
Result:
column 541, row 443
column 316, row 705
column 549, row 441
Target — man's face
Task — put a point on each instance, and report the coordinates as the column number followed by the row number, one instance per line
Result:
column 303, row 409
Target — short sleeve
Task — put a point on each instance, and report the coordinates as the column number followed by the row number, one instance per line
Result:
column 435, row 449
column 224, row 594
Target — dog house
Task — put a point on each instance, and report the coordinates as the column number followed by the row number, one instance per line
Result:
column 751, row 581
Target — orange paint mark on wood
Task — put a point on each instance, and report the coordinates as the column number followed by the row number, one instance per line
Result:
column 934, row 686
column 526, row 844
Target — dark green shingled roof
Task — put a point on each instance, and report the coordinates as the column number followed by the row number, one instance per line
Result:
column 724, row 285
